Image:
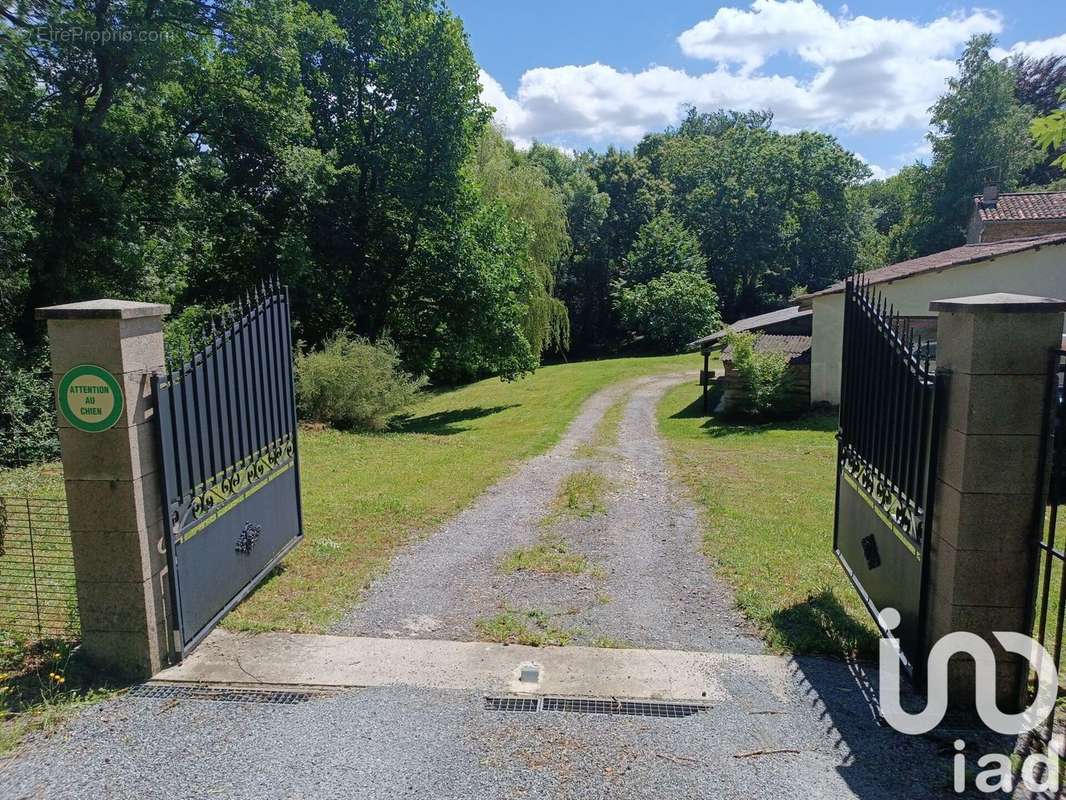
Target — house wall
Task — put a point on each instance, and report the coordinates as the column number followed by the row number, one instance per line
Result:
column 1012, row 229
column 1036, row 272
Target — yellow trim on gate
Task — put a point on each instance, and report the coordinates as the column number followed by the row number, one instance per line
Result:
column 865, row 496
column 215, row 515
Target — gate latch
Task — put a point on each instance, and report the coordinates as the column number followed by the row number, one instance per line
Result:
column 249, row 536
column 869, row 549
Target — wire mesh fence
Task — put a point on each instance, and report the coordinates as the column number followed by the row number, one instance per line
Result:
column 37, row 590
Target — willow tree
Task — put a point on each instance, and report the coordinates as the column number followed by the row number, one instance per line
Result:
column 508, row 177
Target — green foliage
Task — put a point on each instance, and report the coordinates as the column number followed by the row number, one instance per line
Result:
column 979, row 134
column 765, row 378
column 663, row 245
column 770, row 210
column 669, row 311
column 469, row 287
column 27, row 413
column 1050, row 131
column 351, row 383
column 512, row 179
column 182, row 332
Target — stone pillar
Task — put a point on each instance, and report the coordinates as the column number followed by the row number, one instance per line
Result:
column 110, row 467
column 996, row 349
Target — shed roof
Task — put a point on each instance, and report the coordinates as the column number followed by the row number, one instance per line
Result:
column 1022, row 206
column 797, row 348
column 945, row 259
column 751, row 323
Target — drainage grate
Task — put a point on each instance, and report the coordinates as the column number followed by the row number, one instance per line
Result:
column 512, row 703
column 584, row 705
column 220, row 694
column 629, row 708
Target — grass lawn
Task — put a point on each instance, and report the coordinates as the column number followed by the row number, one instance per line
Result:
column 767, row 496
column 365, row 495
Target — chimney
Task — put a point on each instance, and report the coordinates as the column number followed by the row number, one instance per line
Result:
column 990, row 195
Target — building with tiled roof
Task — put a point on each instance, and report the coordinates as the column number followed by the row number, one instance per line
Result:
column 1012, row 215
column 1034, row 265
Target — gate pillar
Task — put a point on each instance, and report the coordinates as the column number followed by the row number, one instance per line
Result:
column 104, row 353
column 995, row 348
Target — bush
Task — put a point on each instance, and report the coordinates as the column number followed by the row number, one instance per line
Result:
column 669, row 311
column 27, row 414
column 351, row 383
column 765, row 378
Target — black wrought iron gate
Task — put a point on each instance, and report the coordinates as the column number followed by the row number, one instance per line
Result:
column 230, row 464
column 886, row 461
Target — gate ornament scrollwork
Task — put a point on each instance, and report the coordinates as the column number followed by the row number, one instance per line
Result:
column 890, row 500
column 236, row 480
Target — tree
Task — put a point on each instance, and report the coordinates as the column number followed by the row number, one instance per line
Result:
column 663, row 245
column 669, row 311
column 1050, row 131
column 584, row 274
column 515, row 180
column 121, row 146
column 1039, row 81
column 978, row 134
column 460, row 309
column 395, row 104
column 770, row 210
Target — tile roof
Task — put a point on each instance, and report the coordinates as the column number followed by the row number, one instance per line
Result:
column 751, row 323
column 797, row 348
column 945, row 259
column 1023, row 206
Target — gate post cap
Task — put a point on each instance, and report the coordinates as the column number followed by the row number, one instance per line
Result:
column 103, row 309
column 1000, row 303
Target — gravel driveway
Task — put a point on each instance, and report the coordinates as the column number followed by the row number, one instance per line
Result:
column 648, row 586
column 818, row 739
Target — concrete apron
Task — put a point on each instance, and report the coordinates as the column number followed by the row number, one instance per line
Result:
column 307, row 660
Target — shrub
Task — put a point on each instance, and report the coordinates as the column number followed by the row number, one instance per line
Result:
column 669, row 311
column 27, row 414
column 182, row 332
column 765, row 378
column 352, row 383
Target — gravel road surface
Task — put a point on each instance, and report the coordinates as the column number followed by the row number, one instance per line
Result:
column 648, row 586
column 405, row 743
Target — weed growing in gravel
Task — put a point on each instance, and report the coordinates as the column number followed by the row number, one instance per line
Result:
column 606, row 433
column 582, row 494
column 532, row 627
column 610, row 643
column 40, row 683
column 550, row 556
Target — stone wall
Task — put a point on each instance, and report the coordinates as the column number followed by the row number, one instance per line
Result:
column 997, row 231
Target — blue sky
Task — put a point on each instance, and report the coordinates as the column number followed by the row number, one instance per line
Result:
column 590, row 73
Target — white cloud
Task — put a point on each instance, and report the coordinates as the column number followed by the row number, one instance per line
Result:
column 750, row 37
column 870, row 75
column 1042, row 47
column 877, row 173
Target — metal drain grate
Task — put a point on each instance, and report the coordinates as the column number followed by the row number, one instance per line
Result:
column 585, row 705
column 512, row 703
column 220, row 694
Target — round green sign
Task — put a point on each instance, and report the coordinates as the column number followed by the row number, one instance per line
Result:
column 90, row 398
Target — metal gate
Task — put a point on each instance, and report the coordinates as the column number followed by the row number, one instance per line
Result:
column 230, row 465
column 886, row 460
column 1047, row 611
